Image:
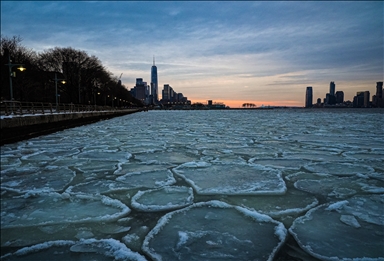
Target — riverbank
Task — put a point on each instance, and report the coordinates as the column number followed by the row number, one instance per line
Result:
column 20, row 127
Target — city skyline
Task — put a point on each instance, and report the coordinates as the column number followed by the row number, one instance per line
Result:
column 335, row 98
column 266, row 53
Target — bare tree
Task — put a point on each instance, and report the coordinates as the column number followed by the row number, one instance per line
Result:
column 23, row 83
column 87, row 80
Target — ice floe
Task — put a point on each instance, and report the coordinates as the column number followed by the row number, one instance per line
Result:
column 165, row 198
column 135, row 167
column 85, row 249
column 234, row 179
column 97, row 187
column 25, row 179
column 292, row 203
column 339, row 169
column 338, row 187
column 352, row 229
column 165, row 157
column 149, row 179
column 104, row 155
column 281, row 163
column 214, row 230
column 54, row 208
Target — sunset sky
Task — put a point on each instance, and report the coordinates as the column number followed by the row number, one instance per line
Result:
column 264, row 52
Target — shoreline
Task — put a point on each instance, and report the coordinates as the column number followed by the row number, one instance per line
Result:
column 18, row 128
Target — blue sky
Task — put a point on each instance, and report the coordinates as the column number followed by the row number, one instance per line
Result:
column 263, row 52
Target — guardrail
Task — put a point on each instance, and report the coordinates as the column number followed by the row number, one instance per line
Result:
column 23, row 108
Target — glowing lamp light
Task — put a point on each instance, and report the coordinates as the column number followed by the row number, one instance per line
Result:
column 21, row 68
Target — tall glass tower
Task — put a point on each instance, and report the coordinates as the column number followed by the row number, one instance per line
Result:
column 332, row 87
column 308, row 97
column 154, row 82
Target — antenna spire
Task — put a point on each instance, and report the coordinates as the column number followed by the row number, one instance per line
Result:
column 153, row 60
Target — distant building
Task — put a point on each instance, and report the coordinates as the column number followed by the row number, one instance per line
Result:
column 140, row 90
column 166, row 93
column 378, row 99
column 180, row 97
column 358, row 100
column 366, row 99
column 379, row 89
column 332, row 87
column 339, row 97
column 308, row 97
column 170, row 97
column 154, row 83
column 330, row 98
column 218, row 105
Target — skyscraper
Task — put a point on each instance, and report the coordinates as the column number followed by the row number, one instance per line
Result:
column 332, row 87
column 308, row 97
column 379, row 89
column 366, row 99
column 154, row 82
column 140, row 90
column 339, row 97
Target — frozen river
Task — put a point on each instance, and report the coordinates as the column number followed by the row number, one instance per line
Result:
column 199, row 185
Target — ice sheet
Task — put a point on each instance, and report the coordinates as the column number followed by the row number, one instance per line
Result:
column 292, row 203
column 165, row 157
column 149, row 179
column 345, row 230
column 87, row 249
column 240, row 179
column 55, row 208
column 338, row 187
column 97, row 187
column 119, row 157
column 166, row 198
column 104, row 155
column 340, row 169
column 50, row 178
column 214, row 230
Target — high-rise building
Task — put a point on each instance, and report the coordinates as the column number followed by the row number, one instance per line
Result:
column 154, row 82
column 167, row 93
column 140, row 90
column 328, row 97
column 308, row 97
column 366, row 99
column 339, row 97
column 332, row 87
column 378, row 99
column 358, row 100
column 170, row 97
column 379, row 89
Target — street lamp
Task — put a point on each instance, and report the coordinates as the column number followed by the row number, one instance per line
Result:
column 63, row 82
column 11, row 74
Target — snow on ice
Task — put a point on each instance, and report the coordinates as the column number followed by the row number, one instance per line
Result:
column 205, row 185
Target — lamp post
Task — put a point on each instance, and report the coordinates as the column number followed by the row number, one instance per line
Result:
column 10, row 65
column 62, row 81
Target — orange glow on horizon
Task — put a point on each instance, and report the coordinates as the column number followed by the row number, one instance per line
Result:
column 239, row 103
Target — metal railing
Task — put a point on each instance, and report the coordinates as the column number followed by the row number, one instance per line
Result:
column 23, row 108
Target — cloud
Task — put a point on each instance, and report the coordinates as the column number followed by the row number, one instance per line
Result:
column 214, row 46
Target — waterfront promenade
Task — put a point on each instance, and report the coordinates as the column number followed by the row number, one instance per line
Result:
column 20, row 121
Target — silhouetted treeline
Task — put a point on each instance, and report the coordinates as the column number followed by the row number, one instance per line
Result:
column 87, row 80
